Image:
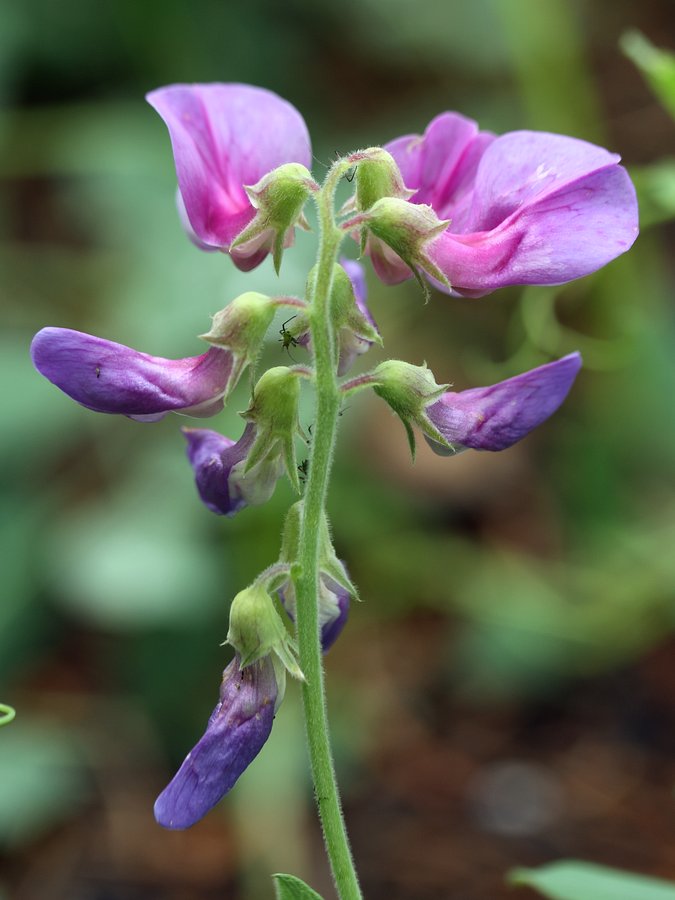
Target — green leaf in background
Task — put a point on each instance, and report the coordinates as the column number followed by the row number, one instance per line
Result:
column 657, row 66
column 7, row 714
column 288, row 887
column 655, row 185
column 572, row 880
column 43, row 780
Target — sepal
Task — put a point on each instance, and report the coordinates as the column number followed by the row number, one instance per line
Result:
column 278, row 198
column 240, row 328
column 377, row 176
column 405, row 229
column 257, row 630
column 274, row 410
column 409, row 390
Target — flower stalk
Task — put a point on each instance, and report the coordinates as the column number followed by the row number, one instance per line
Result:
column 306, row 571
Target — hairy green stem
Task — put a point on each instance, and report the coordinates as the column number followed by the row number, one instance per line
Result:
column 306, row 573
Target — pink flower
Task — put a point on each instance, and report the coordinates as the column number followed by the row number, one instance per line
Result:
column 226, row 136
column 524, row 208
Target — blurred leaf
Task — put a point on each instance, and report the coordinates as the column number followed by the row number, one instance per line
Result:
column 655, row 185
column 571, row 880
column 7, row 714
column 657, row 66
column 288, row 887
column 137, row 559
column 42, row 780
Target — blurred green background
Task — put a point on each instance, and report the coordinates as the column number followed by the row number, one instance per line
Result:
column 505, row 694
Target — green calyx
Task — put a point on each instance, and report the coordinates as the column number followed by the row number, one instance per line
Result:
column 329, row 564
column 377, row 176
column 409, row 390
column 256, row 630
column 274, row 409
column 407, row 228
column 279, row 198
column 241, row 328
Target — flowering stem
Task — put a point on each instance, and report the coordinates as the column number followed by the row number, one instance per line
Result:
column 306, row 573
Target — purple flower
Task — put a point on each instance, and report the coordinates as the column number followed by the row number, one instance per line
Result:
column 218, row 464
column 111, row 378
column 494, row 418
column 334, row 603
column 352, row 344
column 525, row 208
column 239, row 726
column 225, row 136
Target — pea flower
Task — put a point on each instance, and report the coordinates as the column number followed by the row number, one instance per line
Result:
column 495, row 417
column 226, row 137
column 236, row 731
column 524, row 208
column 219, row 466
column 334, row 601
column 110, row 378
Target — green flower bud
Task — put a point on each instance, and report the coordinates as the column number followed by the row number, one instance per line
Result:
column 279, row 198
column 274, row 410
column 256, row 630
column 409, row 390
column 377, row 176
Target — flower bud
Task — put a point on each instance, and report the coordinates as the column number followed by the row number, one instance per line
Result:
column 409, row 390
column 377, row 176
column 274, row 410
column 256, row 630
column 279, row 198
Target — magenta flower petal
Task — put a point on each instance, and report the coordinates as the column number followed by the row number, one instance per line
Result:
column 495, row 417
column 441, row 166
column 239, row 726
column 525, row 208
column 111, row 378
column 225, row 136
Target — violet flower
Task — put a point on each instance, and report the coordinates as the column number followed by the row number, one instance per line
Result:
column 495, row 417
column 353, row 345
column 225, row 136
column 111, row 378
column 218, row 464
column 236, row 731
column 525, row 208
column 334, row 603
